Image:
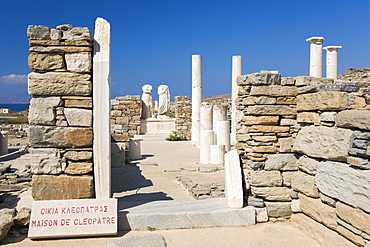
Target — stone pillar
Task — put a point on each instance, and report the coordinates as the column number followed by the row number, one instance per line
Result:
column 101, row 103
column 206, row 140
column 332, row 61
column 316, row 56
column 219, row 114
column 217, row 153
column 236, row 71
column 196, row 97
column 233, row 180
column 3, row 142
column 223, row 134
column 206, row 117
column 135, row 148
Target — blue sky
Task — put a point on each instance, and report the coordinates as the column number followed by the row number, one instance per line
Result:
column 153, row 40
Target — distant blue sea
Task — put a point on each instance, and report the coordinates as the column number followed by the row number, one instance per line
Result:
column 15, row 107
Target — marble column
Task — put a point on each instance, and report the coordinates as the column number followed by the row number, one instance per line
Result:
column 196, row 97
column 332, row 61
column 206, row 117
column 223, row 134
column 135, row 148
column 217, row 153
column 102, row 109
column 233, row 180
column 219, row 114
column 4, row 142
column 316, row 56
column 206, row 140
column 236, row 71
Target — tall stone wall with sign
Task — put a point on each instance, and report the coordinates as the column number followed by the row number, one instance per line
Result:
column 304, row 143
column 60, row 114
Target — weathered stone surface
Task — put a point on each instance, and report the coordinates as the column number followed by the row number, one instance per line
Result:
column 64, row 27
column 286, row 100
column 267, row 129
column 285, row 144
column 76, row 101
column 264, row 100
column 350, row 235
column 274, row 90
column 308, row 117
column 278, row 209
column 358, row 143
column 55, row 34
column 272, row 193
column 354, row 216
column 324, row 142
column 296, row 206
column 264, row 138
column 341, row 87
column 23, row 217
column 361, row 134
column 271, row 110
column 325, row 236
column 265, row 149
column 326, row 101
column 265, row 178
column 287, row 178
column 42, row 110
column 46, row 161
column 78, row 117
column 368, row 151
column 263, row 78
column 353, row 119
column 310, row 80
column 77, row 156
column 252, row 120
column 55, row 83
column 349, row 227
column 45, row 136
column 45, row 62
column 305, row 183
column 6, row 221
column 261, row 215
column 79, row 168
column 328, row 200
column 122, row 120
column 59, row 49
column 47, row 187
column 120, row 137
column 328, row 116
column 340, row 181
column 318, row 211
column 255, row 202
column 79, row 62
column 283, row 162
column 77, row 33
column 307, row 164
column 38, row 32
column 142, row 241
column 359, row 162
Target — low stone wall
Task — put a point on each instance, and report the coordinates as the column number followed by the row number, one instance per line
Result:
column 304, row 144
column 356, row 75
column 183, row 115
column 60, row 114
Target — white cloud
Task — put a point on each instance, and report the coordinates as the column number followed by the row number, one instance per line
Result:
column 13, row 79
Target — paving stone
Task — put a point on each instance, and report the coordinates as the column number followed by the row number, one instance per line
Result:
column 153, row 240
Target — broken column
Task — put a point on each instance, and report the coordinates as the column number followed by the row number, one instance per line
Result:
column 196, row 97
column 206, row 140
column 316, row 56
column 332, row 61
column 101, row 102
column 219, row 114
column 223, row 134
column 233, row 180
column 3, row 142
column 217, row 153
column 206, row 117
column 236, row 71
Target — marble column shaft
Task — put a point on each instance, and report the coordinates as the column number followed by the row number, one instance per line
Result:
column 233, row 180
column 316, row 56
column 223, row 134
column 217, row 153
column 236, row 71
column 206, row 117
column 332, row 61
column 219, row 114
column 206, row 140
column 196, row 97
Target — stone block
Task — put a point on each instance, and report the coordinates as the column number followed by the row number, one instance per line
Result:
column 272, row 193
column 296, row 206
column 271, row 110
column 56, row 83
column 59, row 49
column 42, row 110
column 78, row 155
column 361, row 134
column 328, row 200
column 353, row 119
column 278, row 209
column 79, row 168
column 6, row 221
column 325, row 236
column 78, row 62
column 50, row 136
column 274, row 90
column 45, row 62
column 283, row 162
column 255, row 202
column 78, row 117
column 305, row 183
column 264, row 100
column 324, row 142
column 308, row 117
column 328, row 116
column 319, row 211
column 77, row 33
column 350, row 235
column 359, row 162
column 287, row 178
column 308, row 165
column 265, row 149
column 310, row 80
column 264, row 138
column 267, row 129
column 48, row 187
column 265, row 178
column 124, row 137
column 327, row 101
column 342, row 182
column 354, row 216
column 252, row 120
column 122, row 120
column 38, row 32
column 261, row 215
column 76, row 101
column 286, row 100
column 46, row 161
column 285, row 145
column 263, row 78
column 286, row 121
column 341, row 87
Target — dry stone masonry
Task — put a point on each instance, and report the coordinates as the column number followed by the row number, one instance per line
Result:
column 60, row 114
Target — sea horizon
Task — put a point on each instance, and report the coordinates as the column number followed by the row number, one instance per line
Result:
column 16, row 107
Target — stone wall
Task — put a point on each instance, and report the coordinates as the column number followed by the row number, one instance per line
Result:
column 183, row 115
column 60, row 114
column 356, row 75
column 304, row 145
column 220, row 101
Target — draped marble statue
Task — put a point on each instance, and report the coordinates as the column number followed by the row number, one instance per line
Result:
column 146, row 97
column 164, row 99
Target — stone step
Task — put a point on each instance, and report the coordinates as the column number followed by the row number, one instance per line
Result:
column 178, row 214
column 151, row 137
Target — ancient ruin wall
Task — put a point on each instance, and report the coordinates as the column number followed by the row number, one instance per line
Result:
column 60, row 114
column 183, row 115
column 304, row 144
column 356, row 75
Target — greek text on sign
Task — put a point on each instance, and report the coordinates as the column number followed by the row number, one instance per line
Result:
column 67, row 218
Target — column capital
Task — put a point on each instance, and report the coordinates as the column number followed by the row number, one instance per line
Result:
column 316, row 40
column 332, row 48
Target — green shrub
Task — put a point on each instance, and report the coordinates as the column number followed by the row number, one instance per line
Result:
column 176, row 136
column 18, row 120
